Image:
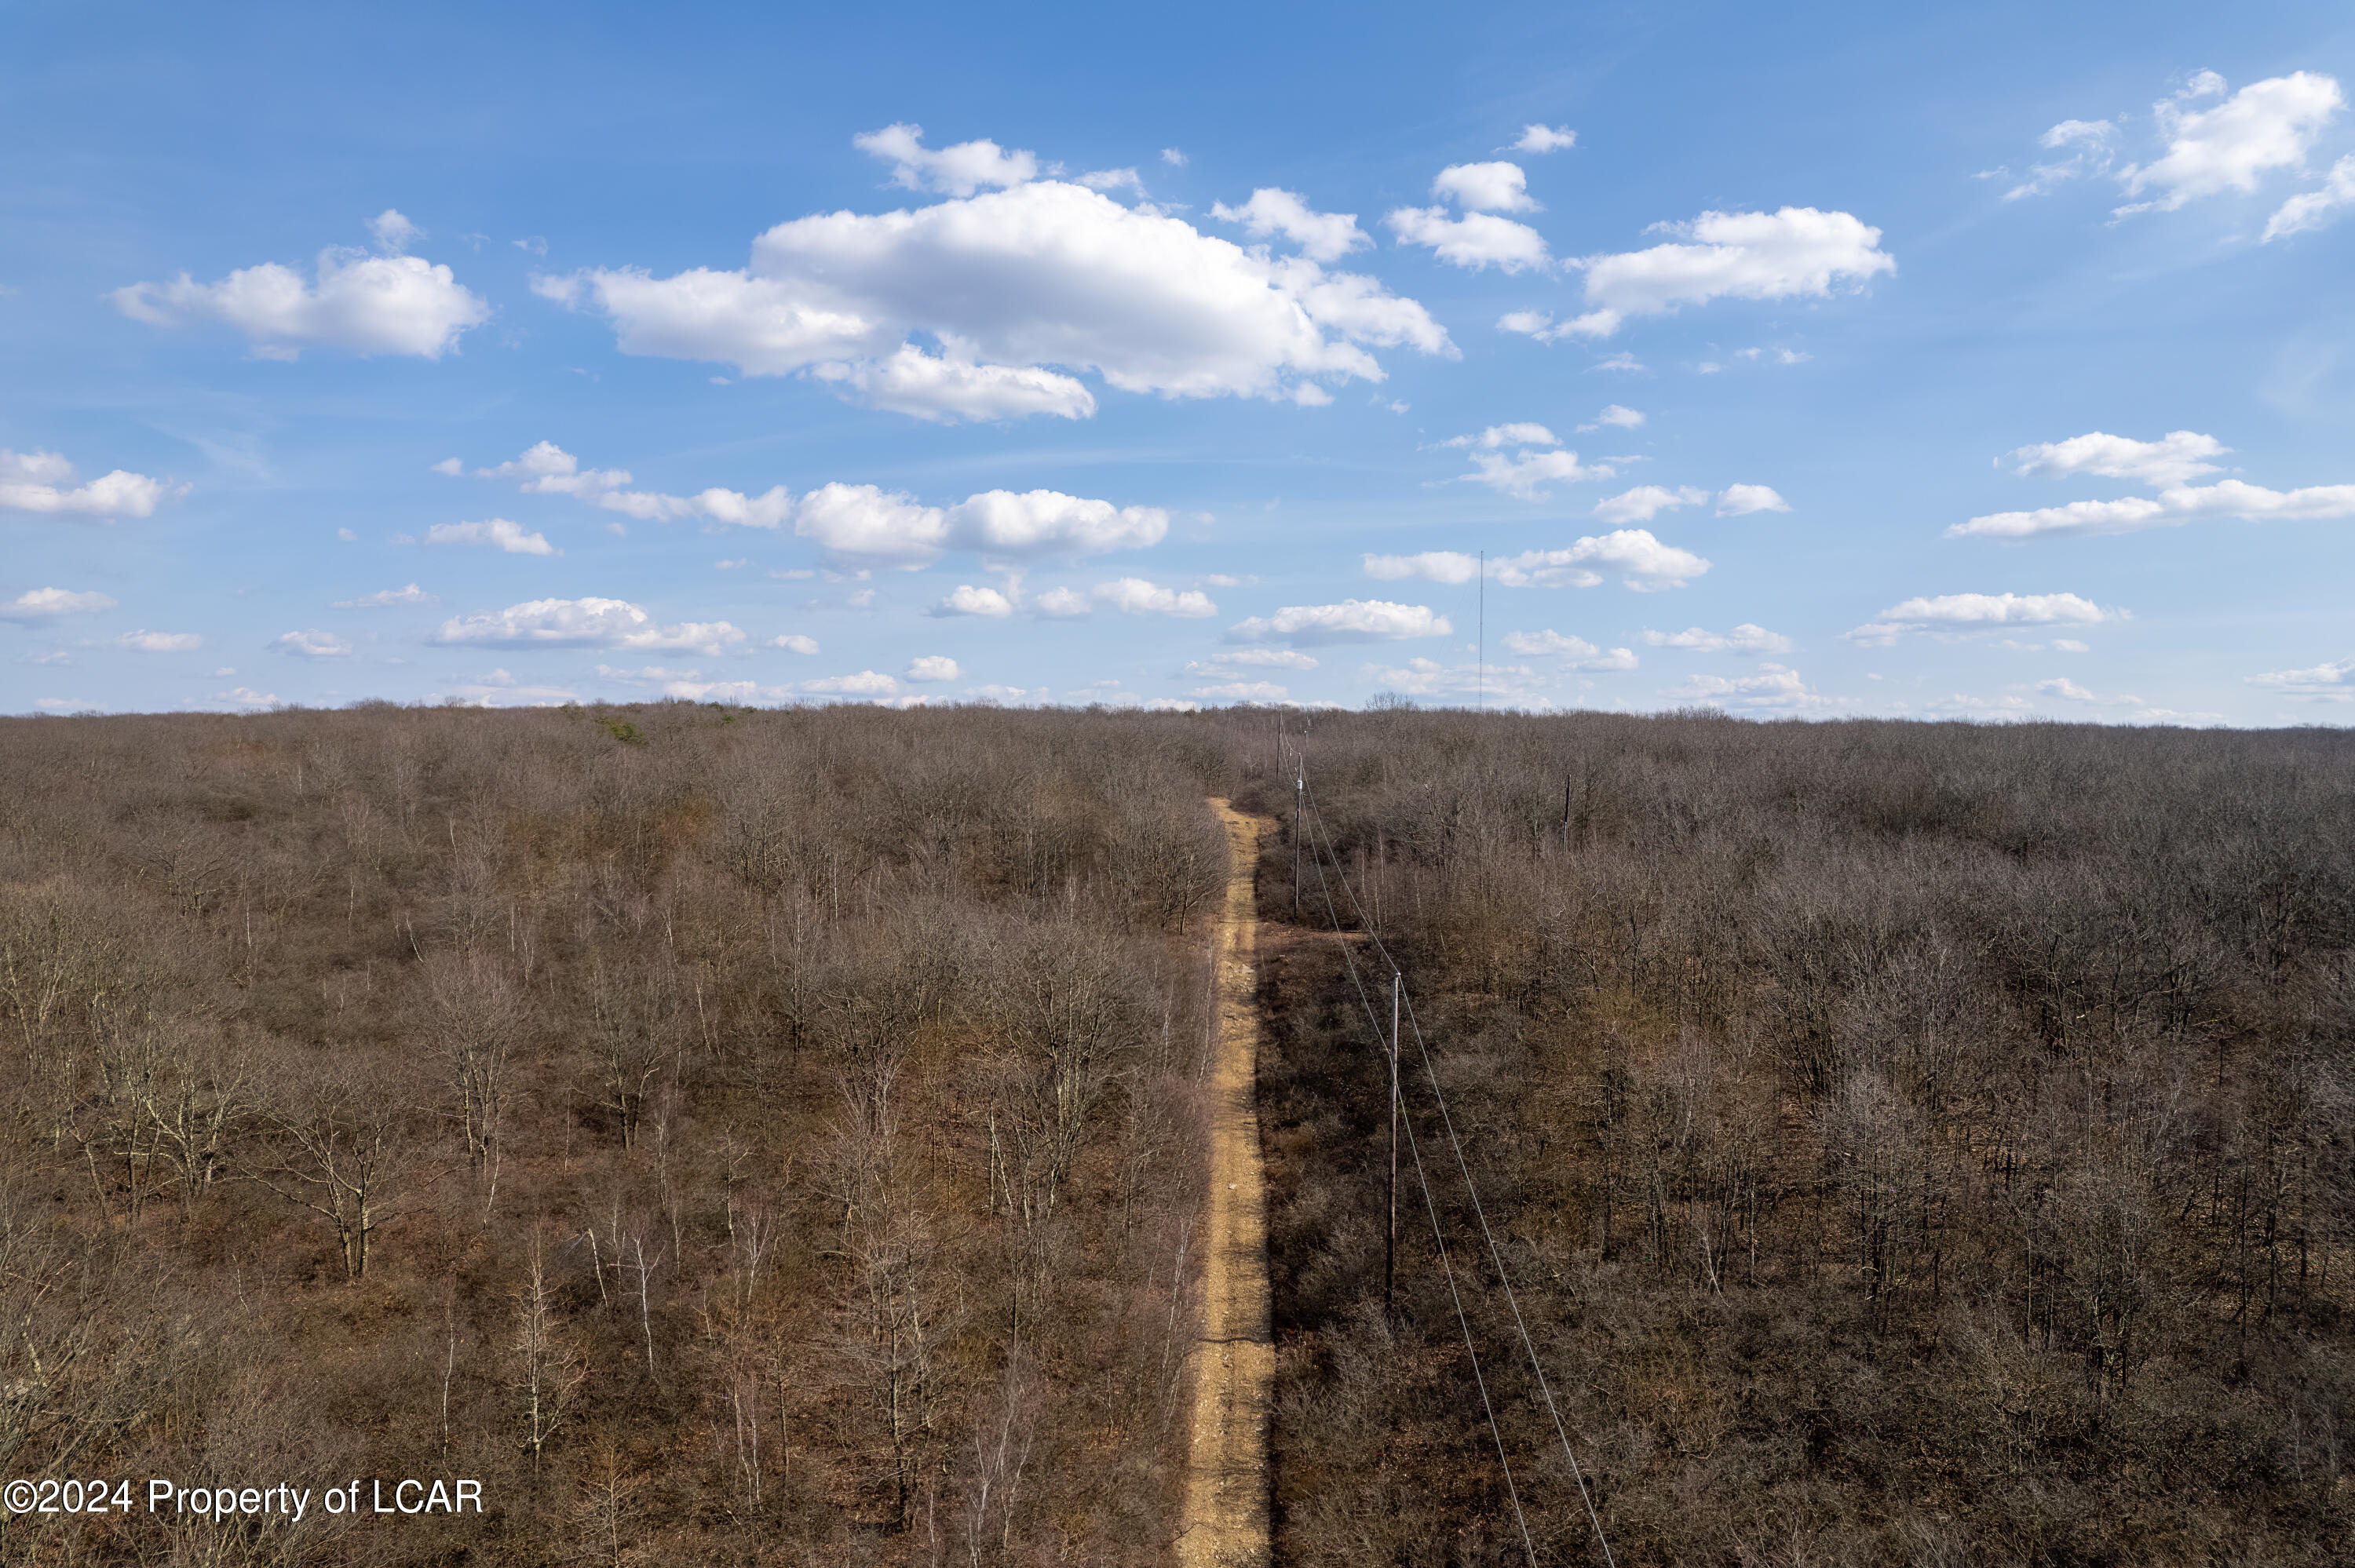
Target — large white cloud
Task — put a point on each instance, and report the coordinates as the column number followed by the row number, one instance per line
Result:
column 1972, row 611
column 1321, row 236
column 2172, row 508
column 2312, row 209
column 2267, row 125
column 1642, row 562
column 35, row 605
column 369, row 304
column 2178, row 456
column 43, row 481
column 1797, row 251
column 584, row 623
column 1043, row 275
column 1351, row 620
column 2330, row 682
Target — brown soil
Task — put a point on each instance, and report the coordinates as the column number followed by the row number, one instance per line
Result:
column 1225, row 1519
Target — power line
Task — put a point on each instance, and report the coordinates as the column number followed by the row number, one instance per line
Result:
column 1464, row 1321
column 1447, row 1120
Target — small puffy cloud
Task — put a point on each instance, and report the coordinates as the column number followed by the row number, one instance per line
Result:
column 496, row 533
column 1449, row 566
column 1577, row 652
column 382, row 597
column 2062, row 686
column 2330, row 682
column 1174, row 158
column 932, row 667
column 1047, row 522
column 369, row 304
column 1047, row 276
column 2267, row 125
column 2312, row 209
column 2085, row 147
column 944, row 389
column 1529, row 323
column 2071, row 645
column 36, row 605
column 1135, row 596
column 1352, row 620
column 1972, row 611
column 1321, row 236
column 1624, row 418
column 1061, row 604
column 313, row 644
column 865, row 683
column 1545, row 139
column 1745, row 638
column 1642, row 562
column 1496, row 437
column 1620, row 361
column 1646, row 502
column 393, row 232
column 160, row 641
column 1485, row 188
column 1251, row 659
column 967, row 599
column 584, row 624
column 1113, row 180
column 1477, row 239
column 1777, row 355
column 1522, row 474
column 43, row 481
column 2076, row 134
column 957, row 171
column 246, row 697
column 794, row 643
column 1774, row 686
column 1242, row 692
column 1740, row 499
column 2173, row 458
column 2172, row 508
column 1797, row 251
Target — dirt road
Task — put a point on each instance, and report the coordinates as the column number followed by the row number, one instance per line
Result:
column 1225, row 1517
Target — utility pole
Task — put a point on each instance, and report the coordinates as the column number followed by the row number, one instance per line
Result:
column 1299, row 787
column 1389, row 1244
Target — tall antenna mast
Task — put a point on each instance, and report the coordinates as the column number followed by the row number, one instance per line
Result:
column 1480, row 657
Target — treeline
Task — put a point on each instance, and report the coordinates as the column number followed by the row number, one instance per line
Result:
column 1910, row 1143
column 733, row 1137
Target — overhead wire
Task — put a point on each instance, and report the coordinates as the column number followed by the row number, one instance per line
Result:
column 1438, row 1237
column 1496, row 1255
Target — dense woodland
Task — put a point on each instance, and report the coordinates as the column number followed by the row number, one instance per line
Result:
column 733, row 1136
column 1911, row 1144
column 775, row 1136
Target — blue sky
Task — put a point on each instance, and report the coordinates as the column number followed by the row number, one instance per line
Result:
column 1988, row 361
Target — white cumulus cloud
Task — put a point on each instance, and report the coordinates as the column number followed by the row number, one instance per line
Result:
column 43, row 481
column 394, row 233
column 1321, row 236
column 2330, row 682
column 2312, row 209
column 1646, row 502
column 1576, row 652
column 1521, row 473
column 932, row 667
column 1045, row 275
column 1746, row 638
column 311, row 644
column 1970, row 612
column 1351, row 620
column 1476, row 240
column 2172, row 508
column 967, row 599
column 160, row 641
column 1485, row 188
column 584, row 624
column 369, row 304
column 35, row 605
column 1061, row 604
column 2174, row 458
column 1740, row 499
column 2266, row 125
column 1795, row 251
column 1774, row 686
column 1499, row 436
column 496, row 533
column 1235, row 659
column 958, row 170
column 1642, row 562
column 1545, row 139
column 1135, row 596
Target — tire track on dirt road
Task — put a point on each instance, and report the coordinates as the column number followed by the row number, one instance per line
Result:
column 1224, row 1523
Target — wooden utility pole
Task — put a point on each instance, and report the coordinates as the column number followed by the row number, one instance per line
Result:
column 1299, row 787
column 1390, row 1243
